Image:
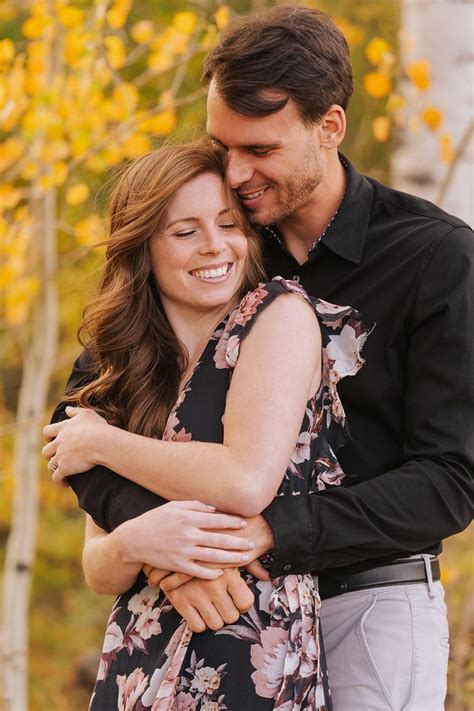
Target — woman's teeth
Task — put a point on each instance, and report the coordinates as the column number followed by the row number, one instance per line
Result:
column 211, row 273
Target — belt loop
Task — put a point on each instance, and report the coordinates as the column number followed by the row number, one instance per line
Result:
column 429, row 575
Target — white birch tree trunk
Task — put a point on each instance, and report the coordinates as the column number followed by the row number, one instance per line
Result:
column 38, row 363
column 442, row 32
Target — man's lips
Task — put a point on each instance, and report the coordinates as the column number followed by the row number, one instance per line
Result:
column 251, row 197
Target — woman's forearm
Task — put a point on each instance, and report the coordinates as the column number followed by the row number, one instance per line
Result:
column 185, row 470
column 107, row 568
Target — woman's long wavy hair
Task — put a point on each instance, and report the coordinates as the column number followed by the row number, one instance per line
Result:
column 137, row 359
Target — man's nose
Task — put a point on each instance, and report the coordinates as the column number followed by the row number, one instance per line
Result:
column 238, row 170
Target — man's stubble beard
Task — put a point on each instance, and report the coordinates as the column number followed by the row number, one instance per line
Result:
column 294, row 192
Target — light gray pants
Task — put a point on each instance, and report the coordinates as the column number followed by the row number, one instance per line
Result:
column 387, row 648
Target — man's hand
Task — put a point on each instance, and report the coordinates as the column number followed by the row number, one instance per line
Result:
column 210, row 603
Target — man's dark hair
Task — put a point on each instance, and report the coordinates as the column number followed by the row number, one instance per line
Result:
column 296, row 52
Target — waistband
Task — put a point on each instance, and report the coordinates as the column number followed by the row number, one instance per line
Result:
column 402, row 572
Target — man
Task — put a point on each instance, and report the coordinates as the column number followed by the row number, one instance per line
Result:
column 280, row 83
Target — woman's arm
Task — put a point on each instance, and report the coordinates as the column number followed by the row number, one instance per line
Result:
column 176, row 536
column 277, row 371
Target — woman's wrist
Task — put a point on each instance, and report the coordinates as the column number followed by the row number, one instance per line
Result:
column 102, row 444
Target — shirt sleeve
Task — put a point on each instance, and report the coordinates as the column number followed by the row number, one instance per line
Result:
column 108, row 497
column 430, row 495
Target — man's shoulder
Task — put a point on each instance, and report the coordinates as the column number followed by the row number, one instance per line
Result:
column 413, row 209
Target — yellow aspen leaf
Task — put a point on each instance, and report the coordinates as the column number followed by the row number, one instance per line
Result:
column 143, row 32
column 70, row 16
column 160, row 125
column 446, row 148
column 45, row 183
column 80, row 142
column 419, row 73
column 432, row 117
column 77, row 194
column 126, row 96
column 159, row 61
column 115, row 52
column 381, row 128
column 7, row 51
column 395, row 102
column 136, row 146
column 10, row 151
column 222, row 17
column 185, row 22
column 90, row 230
column 353, row 34
column 209, row 40
column 59, row 173
column 34, row 27
column 9, row 196
column 116, row 19
column 377, row 84
column 18, row 299
column 30, row 170
column 74, row 48
column 376, row 50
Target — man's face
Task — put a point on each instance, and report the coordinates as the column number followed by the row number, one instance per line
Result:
column 275, row 162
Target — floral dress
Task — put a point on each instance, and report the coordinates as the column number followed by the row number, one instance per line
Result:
column 270, row 658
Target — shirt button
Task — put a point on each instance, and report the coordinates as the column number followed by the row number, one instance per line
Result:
column 287, row 567
column 296, row 278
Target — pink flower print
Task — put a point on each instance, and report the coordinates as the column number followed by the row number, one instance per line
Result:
column 232, row 351
column 172, row 434
column 144, row 600
column 131, row 688
column 113, row 638
column 147, row 624
column 206, row 680
column 268, row 658
column 344, row 351
column 185, row 702
column 302, row 451
column 248, row 305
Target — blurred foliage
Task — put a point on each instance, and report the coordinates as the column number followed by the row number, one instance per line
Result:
column 121, row 87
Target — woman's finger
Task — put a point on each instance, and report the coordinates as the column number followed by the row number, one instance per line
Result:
column 72, row 411
column 216, row 520
column 221, row 557
column 226, row 541
column 51, row 431
column 49, row 450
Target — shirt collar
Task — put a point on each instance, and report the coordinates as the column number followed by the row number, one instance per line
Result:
column 347, row 232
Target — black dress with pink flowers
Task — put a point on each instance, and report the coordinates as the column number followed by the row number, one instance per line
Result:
column 270, row 658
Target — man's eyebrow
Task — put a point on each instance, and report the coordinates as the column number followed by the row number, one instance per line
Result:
column 252, row 146
column 195, row 219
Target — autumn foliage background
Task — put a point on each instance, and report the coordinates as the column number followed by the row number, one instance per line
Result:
column 84, row 87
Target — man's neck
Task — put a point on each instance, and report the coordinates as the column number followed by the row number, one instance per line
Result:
column 306, row 225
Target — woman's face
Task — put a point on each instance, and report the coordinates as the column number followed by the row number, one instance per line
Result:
column 198, row 254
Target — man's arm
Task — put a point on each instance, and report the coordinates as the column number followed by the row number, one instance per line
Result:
column 429, row 496
column 108, row 497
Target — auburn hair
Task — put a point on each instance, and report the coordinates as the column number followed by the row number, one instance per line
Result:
column 284, row 52
column 137, row 359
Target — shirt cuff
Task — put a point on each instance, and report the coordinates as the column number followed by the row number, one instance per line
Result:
column 292, row 528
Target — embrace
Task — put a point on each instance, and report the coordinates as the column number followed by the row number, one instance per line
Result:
column 269, row 424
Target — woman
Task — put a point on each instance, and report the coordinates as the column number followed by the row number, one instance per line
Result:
column 189, row 378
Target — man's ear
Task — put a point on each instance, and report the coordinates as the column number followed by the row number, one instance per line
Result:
column 332, row 127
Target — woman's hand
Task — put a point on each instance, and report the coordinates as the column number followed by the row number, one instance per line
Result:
column 73, row 444
column 183, row 536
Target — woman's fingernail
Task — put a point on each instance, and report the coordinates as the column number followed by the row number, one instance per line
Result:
column 251, row 544
column 210, row 506
column 244, row 558
column 243, row 524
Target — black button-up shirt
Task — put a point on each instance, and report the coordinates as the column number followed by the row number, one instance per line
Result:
column 408, row 267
